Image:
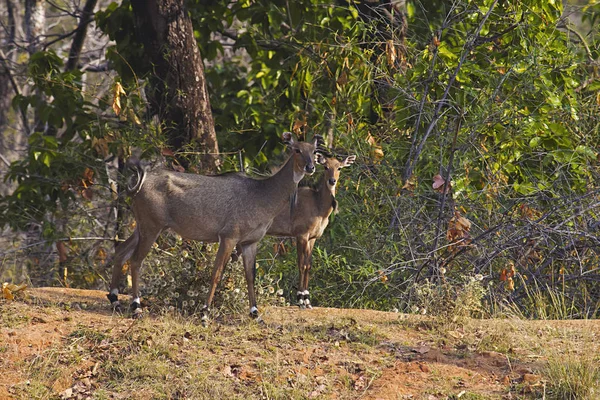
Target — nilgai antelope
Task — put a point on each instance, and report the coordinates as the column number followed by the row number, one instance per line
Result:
column 309, row 218
column 231, row 209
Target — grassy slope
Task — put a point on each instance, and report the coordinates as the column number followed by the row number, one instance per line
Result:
column 64, row 343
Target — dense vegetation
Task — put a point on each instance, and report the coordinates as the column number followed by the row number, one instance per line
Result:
column 476, row 125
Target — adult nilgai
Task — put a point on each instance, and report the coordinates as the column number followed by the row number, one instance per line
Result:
column 309, row 219
column 231, row 209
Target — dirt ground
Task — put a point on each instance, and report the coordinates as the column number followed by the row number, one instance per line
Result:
column 350, row 353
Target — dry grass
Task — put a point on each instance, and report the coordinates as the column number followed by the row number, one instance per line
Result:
column 66, row 343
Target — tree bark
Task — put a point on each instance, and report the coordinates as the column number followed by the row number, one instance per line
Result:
column 35, row 24
column 178, row 92
column 6, row 87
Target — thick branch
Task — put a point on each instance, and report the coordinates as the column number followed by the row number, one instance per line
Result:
column 77, row 45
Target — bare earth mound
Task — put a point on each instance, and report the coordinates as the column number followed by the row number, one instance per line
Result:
column 66, row 343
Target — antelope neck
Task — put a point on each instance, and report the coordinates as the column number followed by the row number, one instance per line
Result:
column 280, row 186
column 326, row 195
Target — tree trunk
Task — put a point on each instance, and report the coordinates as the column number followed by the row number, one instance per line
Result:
column 35, row 24
column 6, row 87
column 178, row 92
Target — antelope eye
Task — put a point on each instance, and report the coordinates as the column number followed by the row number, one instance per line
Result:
column 326, row 168
column 340, row 168
column 297, row 150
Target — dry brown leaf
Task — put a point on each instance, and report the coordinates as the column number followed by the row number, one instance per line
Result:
column 167, row 152
column 117, row 92
column 9, row 289
column 458, row 229
column 438, row 184
column 464, row 223
column 503, row 275
column 390, row 51
column 410, row 184
column 298, row 126
column 510, row 285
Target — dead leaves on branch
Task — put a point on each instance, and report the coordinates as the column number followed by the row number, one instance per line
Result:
column 459, row 229
column 129, row 113
column 117, row 92
column 439, row 183
column 507, row 275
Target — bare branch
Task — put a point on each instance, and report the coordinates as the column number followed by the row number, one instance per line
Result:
column 86, row 17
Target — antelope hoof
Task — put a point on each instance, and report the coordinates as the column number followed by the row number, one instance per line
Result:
column 300, row 300
column 114, row 302
column 204, row 316
column 254, row 314
column 307, row 300
column 136, row 310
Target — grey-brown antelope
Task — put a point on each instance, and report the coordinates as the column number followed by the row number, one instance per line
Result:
column 309, row 219
column 231, row 209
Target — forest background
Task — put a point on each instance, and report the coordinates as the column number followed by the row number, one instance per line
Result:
column 476, row 127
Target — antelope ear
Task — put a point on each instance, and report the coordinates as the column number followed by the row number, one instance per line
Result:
column 320, row 159
column 288, row 138
column 348, row 161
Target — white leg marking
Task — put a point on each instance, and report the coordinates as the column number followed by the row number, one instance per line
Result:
column 253, row 309
column 115, row 291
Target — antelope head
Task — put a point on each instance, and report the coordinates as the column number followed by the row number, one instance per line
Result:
column 332, row 169
column 303, row 155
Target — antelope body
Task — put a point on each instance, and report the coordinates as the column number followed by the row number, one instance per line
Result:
column 309, row 219
column 230, row 209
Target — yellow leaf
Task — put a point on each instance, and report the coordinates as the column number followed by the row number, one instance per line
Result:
column 390, row 51
column 133, row 118
column 7, row 293
column 377, row 151
column 117, row 92
column 510, row 285
column 410, row 183
column 8, row 290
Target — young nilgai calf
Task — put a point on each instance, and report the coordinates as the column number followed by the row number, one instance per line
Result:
column 309, row 219
column 231, row 209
